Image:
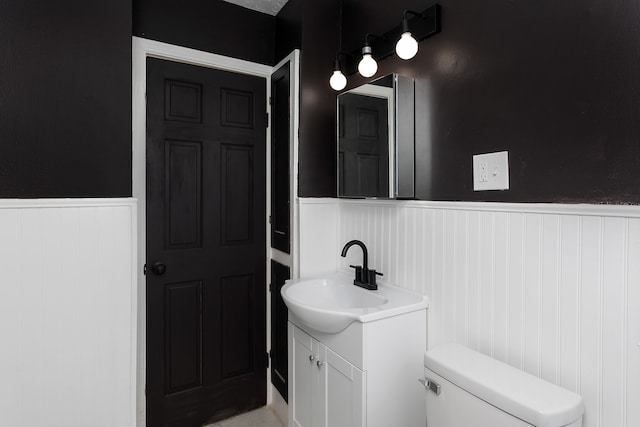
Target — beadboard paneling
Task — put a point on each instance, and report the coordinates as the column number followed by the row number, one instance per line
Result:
column 551, row 289
column 67, row 312
column 318, row 225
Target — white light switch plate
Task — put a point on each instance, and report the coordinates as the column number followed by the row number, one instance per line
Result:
column 491, row 171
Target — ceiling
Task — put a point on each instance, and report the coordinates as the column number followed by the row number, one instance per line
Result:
column 271, row 7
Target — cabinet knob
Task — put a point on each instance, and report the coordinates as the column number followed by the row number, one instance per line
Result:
column 319, row 363
column 311, row 358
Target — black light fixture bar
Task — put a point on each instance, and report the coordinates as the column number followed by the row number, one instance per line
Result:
column 422, row 27
column 373, row 37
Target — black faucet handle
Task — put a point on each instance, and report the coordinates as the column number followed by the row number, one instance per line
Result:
column 371, row 277
column 358, row 272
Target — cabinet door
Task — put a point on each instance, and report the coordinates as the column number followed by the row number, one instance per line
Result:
column 302, row 378
column 342, row 389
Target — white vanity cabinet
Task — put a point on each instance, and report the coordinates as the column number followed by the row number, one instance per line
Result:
column 364, row 376
column 328, row 390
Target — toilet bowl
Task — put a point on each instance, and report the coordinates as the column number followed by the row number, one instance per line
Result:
column 467, row 388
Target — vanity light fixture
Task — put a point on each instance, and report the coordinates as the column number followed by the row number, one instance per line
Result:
column 407, row 46
column 402, row 40
column 368, row 65
column 338, row 81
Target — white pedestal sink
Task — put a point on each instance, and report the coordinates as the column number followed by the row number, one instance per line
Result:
column 331, row 303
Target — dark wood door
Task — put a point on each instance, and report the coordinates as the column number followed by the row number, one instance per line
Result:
column 363, row 146
column 279, row 318
column 206, row 244
column 280, row 178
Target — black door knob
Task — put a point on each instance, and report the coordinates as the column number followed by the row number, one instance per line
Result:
column 158, row 268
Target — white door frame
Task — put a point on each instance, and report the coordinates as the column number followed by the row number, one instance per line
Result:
column 292, row 258
column 141, row 50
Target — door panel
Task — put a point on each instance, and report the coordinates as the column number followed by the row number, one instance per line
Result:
column 183, row 101
column 237, row 108
column 237, row 320
column 280, row 160
column 238, row 195
column 206, row 310
column 279, row 318
column 183, row 308
column 183, row 197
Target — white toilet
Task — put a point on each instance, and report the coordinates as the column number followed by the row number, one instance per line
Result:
column 467, row 388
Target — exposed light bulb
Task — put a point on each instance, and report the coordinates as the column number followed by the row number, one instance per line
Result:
column 407, row 46
column 338, row 81
column 367, row 66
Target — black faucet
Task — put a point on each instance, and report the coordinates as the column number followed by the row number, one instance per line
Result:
column 365, row 278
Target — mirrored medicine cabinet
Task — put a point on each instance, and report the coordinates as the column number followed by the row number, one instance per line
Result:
column 376, row 139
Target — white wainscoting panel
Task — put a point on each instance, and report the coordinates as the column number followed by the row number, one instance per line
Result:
column 67, row 312
column 550, row 289
column 318, row 234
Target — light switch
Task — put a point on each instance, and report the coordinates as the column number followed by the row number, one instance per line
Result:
column 491, row 171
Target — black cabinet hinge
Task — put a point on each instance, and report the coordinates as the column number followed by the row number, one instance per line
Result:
column 266, row 359
column 144, row 270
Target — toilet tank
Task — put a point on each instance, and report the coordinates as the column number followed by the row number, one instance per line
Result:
column 476, row 390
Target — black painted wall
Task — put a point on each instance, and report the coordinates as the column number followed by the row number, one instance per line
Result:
column 312, row 27
column 557, row 84
column 288, row 29
column 208, row 25
column 317, row 149
column 65, row 98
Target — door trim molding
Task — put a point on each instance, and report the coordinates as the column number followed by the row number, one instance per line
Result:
column 141, row 50
column 291, row 259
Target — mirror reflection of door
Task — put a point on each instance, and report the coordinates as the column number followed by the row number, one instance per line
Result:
column 363, row 144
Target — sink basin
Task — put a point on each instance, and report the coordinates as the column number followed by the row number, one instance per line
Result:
column 331, row 303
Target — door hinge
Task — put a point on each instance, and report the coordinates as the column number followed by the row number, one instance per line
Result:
column 144, row 270
column 270, row 220
column 266, row 359
column 269, row 100
column 266, row 120
column 269, row 287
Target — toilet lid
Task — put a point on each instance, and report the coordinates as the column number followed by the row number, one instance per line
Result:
column 516, row 392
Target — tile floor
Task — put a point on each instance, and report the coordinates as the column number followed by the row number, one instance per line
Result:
column 263, row 417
